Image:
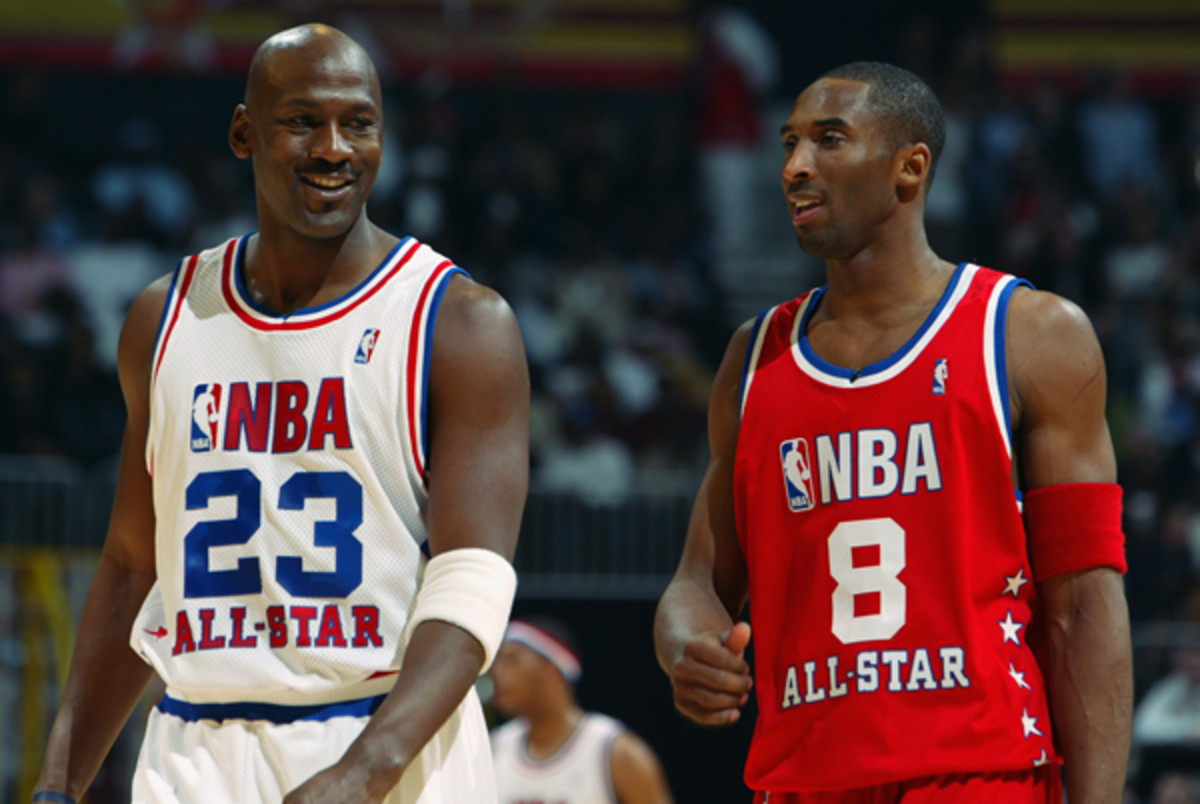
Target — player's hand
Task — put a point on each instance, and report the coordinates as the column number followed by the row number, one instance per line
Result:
column 711, row 679
column 338, row 785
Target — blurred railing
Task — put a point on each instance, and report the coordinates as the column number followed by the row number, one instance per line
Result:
column 568, row 548
column 53, row 502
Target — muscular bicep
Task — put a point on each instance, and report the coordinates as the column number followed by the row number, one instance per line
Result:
column 1058, row 387
column 478, row 471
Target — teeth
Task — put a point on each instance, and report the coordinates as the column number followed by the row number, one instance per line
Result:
column 803, row 205
column 326, row 182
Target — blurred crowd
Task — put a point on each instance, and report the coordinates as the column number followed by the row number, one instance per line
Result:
column 588, row 211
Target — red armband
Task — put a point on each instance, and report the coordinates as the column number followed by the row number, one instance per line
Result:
column 1074, row 526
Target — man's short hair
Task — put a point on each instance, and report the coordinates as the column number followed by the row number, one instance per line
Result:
column 904, row 104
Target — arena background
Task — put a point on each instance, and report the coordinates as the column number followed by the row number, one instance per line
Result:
column 611, row 167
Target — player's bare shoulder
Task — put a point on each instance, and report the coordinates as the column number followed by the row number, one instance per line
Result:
column 474, row 307
column 1054, row 355
column 477, row 329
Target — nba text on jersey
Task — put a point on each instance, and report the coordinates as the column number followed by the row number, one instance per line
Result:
column 286, row 404
column 878, row 474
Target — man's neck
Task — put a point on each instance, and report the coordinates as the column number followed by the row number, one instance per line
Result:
column 884, row 284
column 875, row 303
column 285, row 273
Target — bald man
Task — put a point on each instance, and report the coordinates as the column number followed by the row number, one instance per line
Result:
column 321, row 483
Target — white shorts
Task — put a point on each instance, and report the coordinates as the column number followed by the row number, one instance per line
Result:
column 250, row 757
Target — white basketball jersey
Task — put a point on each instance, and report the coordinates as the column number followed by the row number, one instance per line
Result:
column 580, row 772
column 288, row 458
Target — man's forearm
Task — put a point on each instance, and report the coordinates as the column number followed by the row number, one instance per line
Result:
column 439, row 668
column 687, row 608
column 104, row 684
column 1090, row 680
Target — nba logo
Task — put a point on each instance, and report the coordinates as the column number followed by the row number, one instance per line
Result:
column 941, row 372
column 366, row 346
column 797, row 476
column 206, row 413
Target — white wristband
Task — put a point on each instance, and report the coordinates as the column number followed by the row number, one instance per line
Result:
column 472, row 588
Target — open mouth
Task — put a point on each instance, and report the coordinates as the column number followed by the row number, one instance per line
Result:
column 803, row 210
column 329, row 183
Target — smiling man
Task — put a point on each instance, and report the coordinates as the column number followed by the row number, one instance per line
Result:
column 912, row 478
column 321, row 484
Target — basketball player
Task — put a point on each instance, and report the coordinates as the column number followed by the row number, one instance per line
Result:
column 320, row 489
column 553, row 752
column 912, row 479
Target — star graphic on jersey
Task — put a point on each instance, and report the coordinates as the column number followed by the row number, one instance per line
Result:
column 1029, row 724
column 1010, row 628
column 1018, row 677
column 1042, row 760
column 1014, row 583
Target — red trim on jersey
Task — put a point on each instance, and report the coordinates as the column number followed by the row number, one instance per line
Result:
column 415, row 351
column 382, row 674
column 238, row 307
column 188, row 273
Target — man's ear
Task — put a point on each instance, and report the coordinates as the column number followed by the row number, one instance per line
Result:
column 239, row 132
column 913, row 163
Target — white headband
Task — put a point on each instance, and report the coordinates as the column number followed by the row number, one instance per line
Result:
column 547, row 646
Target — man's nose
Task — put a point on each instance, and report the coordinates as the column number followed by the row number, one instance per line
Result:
column 798, row 166
column 330, row 144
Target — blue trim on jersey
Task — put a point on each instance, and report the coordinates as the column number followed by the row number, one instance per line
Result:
column 162, row 318
column 749, row 354
column 239, row 262
column 999, row 347
column 430, row 319
column 273, row 713
column 52, row 796
column 891, row 360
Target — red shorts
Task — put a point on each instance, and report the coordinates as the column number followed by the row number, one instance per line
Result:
column 1037, row 786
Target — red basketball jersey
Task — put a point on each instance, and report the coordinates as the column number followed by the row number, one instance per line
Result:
column 889, row 575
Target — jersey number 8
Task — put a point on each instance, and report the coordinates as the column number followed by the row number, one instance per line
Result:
column 878, row 579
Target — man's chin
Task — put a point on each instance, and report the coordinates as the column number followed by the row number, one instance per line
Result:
column 328, row 225
column 823, row 248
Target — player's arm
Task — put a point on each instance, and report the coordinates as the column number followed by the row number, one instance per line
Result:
column 107, row 677
column 478, row 472
column 1059, row 389
column 637, row 775
column 696, row 640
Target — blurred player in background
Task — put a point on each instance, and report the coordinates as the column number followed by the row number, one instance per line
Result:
column 321, row 483
column 917, row 631
column 553, row 752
